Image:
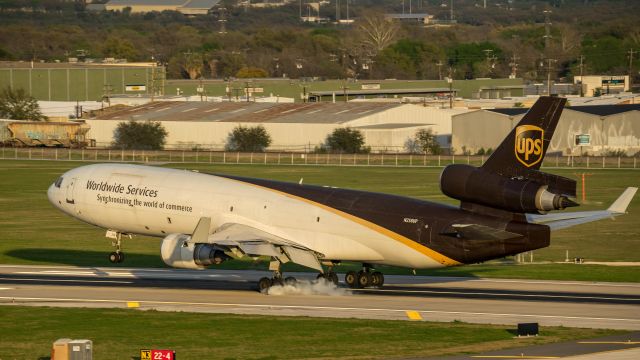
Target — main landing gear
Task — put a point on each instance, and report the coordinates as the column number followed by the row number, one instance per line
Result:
column 116, row 256
column 364, row 278
column 265, row 283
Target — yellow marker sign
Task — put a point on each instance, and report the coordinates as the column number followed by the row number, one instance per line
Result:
column 145, row 354
column 413, row 315
column 133, row 304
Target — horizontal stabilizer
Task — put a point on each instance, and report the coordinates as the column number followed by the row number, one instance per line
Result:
column 557, row 221
column 622, row 202
column 482, row 232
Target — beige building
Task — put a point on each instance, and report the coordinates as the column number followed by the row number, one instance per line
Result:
column 595, row 85
column 187, row 7
column 580, row 130
column 292, row 127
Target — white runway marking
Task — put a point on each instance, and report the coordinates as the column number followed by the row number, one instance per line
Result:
column 75, row 281
column 498, row 294
column 304, row 307
column 5, row 288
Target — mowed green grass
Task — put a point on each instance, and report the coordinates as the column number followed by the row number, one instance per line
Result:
column 33, row 232
column 28, row 332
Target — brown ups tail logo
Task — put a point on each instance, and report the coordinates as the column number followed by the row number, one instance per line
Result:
column 529, row 143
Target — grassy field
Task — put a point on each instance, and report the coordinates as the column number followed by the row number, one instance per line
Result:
column 28, row 332
column 33, row 232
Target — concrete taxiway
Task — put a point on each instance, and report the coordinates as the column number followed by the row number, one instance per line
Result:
column 496, row 301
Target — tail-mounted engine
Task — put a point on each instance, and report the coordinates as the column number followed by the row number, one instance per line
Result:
column 178, row 251
column 533, row 192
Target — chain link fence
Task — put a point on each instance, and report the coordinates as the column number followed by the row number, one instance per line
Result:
column 291, row 158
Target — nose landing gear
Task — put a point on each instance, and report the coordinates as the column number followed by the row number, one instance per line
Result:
column 116, row 256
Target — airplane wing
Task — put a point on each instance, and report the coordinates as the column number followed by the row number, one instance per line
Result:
column 558, row 221
column 243, row 240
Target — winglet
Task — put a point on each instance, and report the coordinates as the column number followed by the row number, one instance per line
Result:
column 201, row 232
column 622, row 202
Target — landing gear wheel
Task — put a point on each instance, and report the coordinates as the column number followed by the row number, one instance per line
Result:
column 329, row 277
column 120, row 257
column 114, row 257
column 290, row 281
column 377, row 279
column 364, row 279
column 264, row 284
column 277, row 281
column 333, row 277
column 351, row 278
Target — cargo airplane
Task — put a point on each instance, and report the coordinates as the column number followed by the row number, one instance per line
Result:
column 206, row 219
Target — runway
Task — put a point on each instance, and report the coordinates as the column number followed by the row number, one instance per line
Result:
column 495, row 301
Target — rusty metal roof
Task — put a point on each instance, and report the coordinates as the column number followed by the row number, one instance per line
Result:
column 327, row 113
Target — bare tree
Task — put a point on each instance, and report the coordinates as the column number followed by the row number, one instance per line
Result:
column 377, row 31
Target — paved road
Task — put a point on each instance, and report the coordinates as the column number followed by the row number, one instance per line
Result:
column 496, row 301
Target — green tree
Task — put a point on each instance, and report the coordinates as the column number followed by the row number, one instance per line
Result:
column 427, row 141
column 16, row 104
column 248, row 139
column 119, row 48
column 138, row 135
column 346, row 140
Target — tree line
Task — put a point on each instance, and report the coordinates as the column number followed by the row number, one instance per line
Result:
column 593, row 36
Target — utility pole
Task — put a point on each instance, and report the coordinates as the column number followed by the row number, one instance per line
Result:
column 451, row 9
column 631, row 52
column 439, row 65
column 514, row 66
column 222, row 20
column 490, row 59
column 581, row 75
column 547, row 28
column 450, row 81
column 549, row 62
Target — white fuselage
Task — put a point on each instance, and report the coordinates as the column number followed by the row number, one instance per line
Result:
column 157, row 201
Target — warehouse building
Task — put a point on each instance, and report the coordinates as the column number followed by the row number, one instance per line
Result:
column 187, row 7
column 82, row 81
column 293, row 127
column 581, row 130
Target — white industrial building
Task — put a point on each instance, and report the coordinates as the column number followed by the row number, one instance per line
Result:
column 187, row 7
column 292, row 127
column 581, row 129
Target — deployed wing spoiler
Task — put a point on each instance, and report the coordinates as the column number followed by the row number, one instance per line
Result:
column 558, row 221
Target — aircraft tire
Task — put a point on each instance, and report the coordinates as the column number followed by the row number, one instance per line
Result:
column 264, row 284
column 277, row 281
column 120, row 257
column 377, row 279
column 113, row 257
column 364, row 279
column 351, row 279
column 290, row 280
column 333, row 277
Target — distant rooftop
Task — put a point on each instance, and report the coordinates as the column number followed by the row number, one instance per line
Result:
column 416, row 16
column 319, row 113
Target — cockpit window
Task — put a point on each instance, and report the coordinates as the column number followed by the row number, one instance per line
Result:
column 58, row 182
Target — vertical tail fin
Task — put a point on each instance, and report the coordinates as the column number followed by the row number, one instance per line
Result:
column 525, row 146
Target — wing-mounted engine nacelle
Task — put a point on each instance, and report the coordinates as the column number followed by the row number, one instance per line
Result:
column 178, row 251
column 517, row 194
